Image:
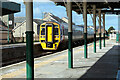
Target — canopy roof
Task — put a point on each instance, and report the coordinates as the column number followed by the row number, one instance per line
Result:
column 105, row 6
column 9, row 8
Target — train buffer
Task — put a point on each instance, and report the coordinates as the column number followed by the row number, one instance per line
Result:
column 103, row 64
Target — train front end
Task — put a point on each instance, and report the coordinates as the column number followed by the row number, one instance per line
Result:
column 49, row 35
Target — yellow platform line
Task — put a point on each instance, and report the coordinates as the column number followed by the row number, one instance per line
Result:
column 48, row 61
column 23, row 70
column 13, row 74
column 83, row 48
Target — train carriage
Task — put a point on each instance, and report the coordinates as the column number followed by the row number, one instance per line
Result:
column 52, row 34
column 49, row 35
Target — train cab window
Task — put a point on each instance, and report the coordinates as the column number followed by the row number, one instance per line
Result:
column 42, row 31
column 48, row 25
column 43, row 26
column 55, row 31
column 55, row 25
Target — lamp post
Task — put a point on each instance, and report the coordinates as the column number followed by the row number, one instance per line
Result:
column 8, row 30
column 29, row 41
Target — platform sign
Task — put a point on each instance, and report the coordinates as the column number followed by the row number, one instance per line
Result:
column 10, row 22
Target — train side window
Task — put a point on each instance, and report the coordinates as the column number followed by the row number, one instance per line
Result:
column 55, row 31
column 42, row 31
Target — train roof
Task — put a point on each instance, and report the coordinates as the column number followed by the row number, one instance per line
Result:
column 51, row 22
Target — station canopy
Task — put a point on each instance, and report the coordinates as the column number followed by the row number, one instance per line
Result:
column 106, row 6
column 7, row 7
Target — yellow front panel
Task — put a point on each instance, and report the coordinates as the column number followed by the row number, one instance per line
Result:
column 49, row 34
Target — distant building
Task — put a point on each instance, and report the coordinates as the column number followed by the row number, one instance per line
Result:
column 102, row 30
column 98, row 30
column 91, row 27
column 20, row 28
column 113, row 34
column 51, row 17
column 66, row 20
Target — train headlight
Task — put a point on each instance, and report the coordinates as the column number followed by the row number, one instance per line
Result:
column 42, row 36
column 56, row 36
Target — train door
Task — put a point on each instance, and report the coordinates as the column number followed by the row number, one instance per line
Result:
column 49, row 35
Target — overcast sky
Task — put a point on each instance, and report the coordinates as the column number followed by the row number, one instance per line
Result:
column 40, row 7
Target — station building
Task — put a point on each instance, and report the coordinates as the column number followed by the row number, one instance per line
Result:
column 6, row 25
column 20, row 28
column 115, row 34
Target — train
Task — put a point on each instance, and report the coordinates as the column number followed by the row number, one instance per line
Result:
column 52, row 34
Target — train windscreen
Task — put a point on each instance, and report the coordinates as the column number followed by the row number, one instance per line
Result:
column 55, row 25
column 49, row 26
column 55, row 31
column 42, row 31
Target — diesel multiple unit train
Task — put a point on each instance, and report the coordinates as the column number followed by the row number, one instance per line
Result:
column 52, row 34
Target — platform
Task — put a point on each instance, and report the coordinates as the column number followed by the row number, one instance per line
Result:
column 15, row 45
column 101, row 65
column 12, row 53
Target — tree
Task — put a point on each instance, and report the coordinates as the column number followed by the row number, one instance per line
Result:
column 111, row 28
